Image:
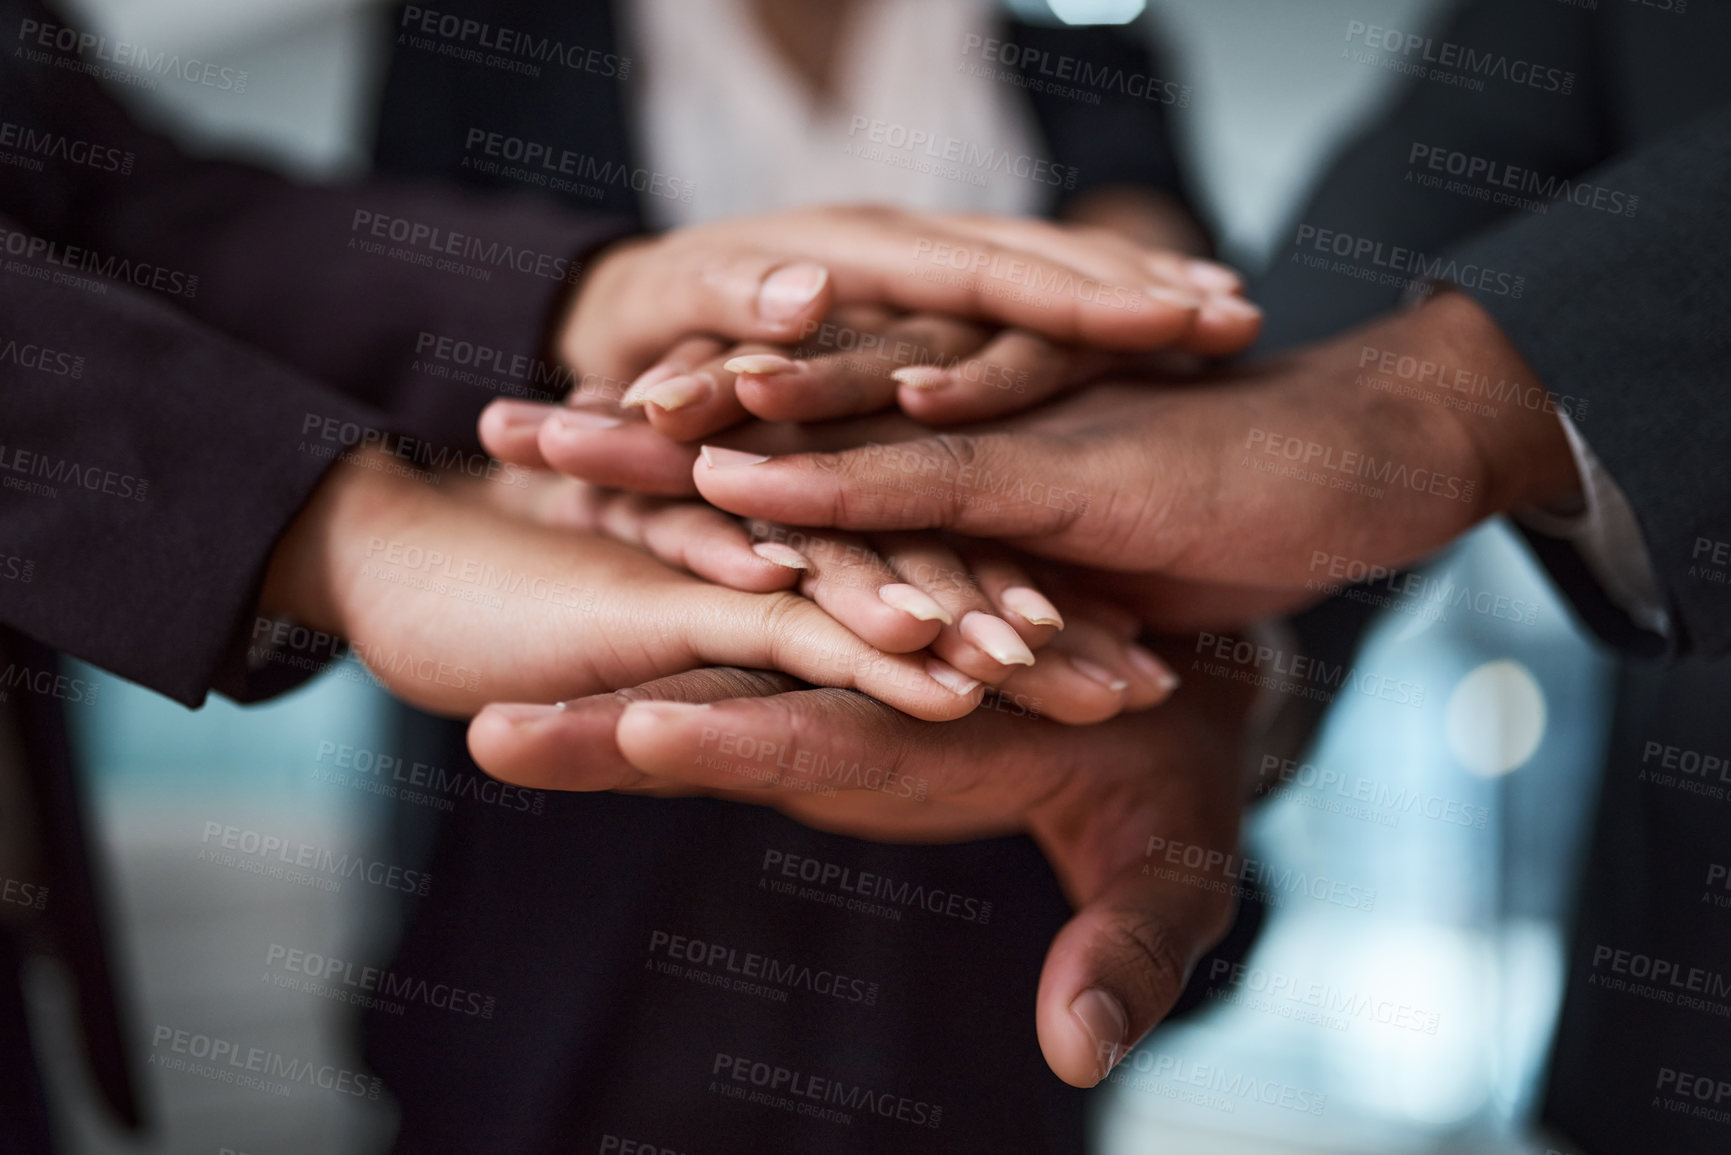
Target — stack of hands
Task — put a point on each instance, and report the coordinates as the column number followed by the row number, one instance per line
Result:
column 948, row 499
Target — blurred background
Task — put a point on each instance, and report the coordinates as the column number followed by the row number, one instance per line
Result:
column 1418, row 1025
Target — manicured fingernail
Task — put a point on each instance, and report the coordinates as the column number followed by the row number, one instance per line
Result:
column 1213, row 278
column 790, row 290
column 925, row 378
column 1095, row 672
column 998, row 638
column 762, row 365
column 1104, row 1019
column 678, row 392
column 1167, row 295
column 718, row 458
column 1232, row 308
column 584, row 420
column 669, row 712
column 1152, row 668
column 784, row 556
column 1031, row 606
column 524, row 713
column 950, row 678
column 914, row 602
column 517, row 414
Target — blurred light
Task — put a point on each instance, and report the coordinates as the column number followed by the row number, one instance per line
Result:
column 1495, row 718
column 1078, row 11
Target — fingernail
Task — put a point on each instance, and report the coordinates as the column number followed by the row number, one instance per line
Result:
column 718, row 458
column 1213, row 278
column 914, row 602
column 1167, row 295
column 784, row 556
column 1095, row 672
column 790, row 290
column 669, row 712
column 762, row 365
column 584, row 420
column 1031, row 606
column 925, row 378
column 517, row 414
column 678, row 392
column 1152, row 668
column 1104, row 1019
column 524, row 713
column 950, row 678
column 1234, row 308
column 998, row 638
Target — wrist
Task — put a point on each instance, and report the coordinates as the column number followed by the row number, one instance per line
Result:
column 1518, row 439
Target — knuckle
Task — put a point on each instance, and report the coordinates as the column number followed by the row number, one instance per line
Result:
column 1152, row 960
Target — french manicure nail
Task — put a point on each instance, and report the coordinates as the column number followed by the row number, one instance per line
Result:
column 762, row 365
column 1235, row 308
column 1095, row 672
column 1213, row 278
column 1167, row 295
column 790, row 290
column 784, row 556
column 950, row 678
column 914, row 602
column 1031, row 606
column 678, row 392
column 584, row 420
column 517, row 414
column 1152, row 668
column 925, row 378
column 638, row 393
column 998, row 638
column 718, row 458
column 1103, row 1017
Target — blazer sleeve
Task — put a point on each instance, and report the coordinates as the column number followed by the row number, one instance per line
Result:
column 1625, row 319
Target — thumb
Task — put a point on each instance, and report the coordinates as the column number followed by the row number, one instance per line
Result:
column 1119, row 965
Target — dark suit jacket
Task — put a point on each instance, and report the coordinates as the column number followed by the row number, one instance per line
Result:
column 1590, row 223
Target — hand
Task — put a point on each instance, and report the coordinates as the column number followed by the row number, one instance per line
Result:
column 1093, row 798
column 974, row 607
column 764, row 278
column 1262, row 482
column 452, row 605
